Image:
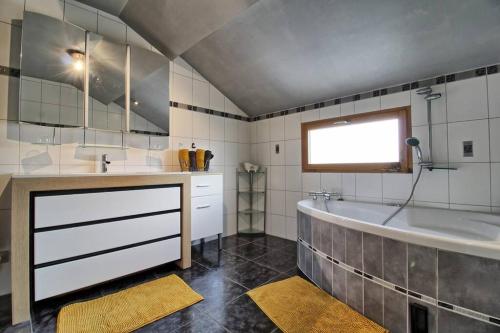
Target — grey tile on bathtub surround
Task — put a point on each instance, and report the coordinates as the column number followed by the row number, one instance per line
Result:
column 422, row 267
column 372, row 254
column 325, row 244
column 305, row 223
column 395, row 311
column 354, row 250
column 316, row 232
column 431, row 314
column 326, row 275
column 316, row 269
column 301, row 256
column 395, row 261
column 451, row 322
column 339, row 276
column 338, row 239
column 355, row 291
column 469, row 281
column 307, row 262
column 374, row 301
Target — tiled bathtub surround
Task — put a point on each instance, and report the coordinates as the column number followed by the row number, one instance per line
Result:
column 469, row 110
column 460, row 291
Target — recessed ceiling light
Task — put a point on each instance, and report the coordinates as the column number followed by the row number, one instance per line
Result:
column 135, row 102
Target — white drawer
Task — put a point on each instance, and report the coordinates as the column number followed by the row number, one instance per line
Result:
column 73, row 275
column 71, row 242
column 82, row 207
column 206, row 216
column 206, row 185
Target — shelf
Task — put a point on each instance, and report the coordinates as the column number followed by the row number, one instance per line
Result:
column 248, row 173
column 248, row 191
column 251, row 211
column 103, row 146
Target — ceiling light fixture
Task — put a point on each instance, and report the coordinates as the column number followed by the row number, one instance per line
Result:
column 78, row 59
column 135, row 102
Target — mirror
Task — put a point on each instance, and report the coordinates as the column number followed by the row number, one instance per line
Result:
column 107, row 63
column 149, row 96
column 53, row 75
column 52, row 71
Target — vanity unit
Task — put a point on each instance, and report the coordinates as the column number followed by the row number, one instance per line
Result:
column 206, row 205
column 72, row 232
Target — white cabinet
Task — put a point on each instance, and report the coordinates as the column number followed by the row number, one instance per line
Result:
column 85, row 237
column 206, row 206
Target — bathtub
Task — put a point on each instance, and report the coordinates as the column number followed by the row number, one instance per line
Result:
column 465, row 232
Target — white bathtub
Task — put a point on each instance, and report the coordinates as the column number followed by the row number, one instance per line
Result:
column 460, row 231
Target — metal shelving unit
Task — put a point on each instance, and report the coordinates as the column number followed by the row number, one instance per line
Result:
column 251, row 202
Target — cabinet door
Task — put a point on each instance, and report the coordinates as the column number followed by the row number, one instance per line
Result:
column 206, row 185
column 206, row 216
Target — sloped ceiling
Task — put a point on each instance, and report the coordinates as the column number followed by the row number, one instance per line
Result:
column 276, row 54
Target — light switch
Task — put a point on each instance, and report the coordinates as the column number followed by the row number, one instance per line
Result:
column 468, row 149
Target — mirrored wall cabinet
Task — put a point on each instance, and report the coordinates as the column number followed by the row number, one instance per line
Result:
column 71, row 77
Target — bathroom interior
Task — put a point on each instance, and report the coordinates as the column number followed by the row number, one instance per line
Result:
column 250, row 166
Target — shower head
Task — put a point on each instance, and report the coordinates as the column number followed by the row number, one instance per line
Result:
column 432, row 96
column 414, row 142
column 424, row 91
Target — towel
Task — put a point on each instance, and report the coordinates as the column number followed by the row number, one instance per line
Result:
column 200, row 159
column 184, row 159
column 192, row 160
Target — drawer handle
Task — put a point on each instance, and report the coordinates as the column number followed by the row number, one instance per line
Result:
column 203, row 185
column 201, row 207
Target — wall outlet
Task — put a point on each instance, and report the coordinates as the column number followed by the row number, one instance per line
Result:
column 277, row 148
column 468, row 149
column 4, row 257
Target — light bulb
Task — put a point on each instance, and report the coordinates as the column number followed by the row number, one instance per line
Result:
column 78, row 65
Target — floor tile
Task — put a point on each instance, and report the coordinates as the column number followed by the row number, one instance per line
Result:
column 173, row 321
column 274, row 242
column 278, row 260
column 219, row 259
column 249, row 251
column 202, row 324
column 243, row 315
column 250, row 274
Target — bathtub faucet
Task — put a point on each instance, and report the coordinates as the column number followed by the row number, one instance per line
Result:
column 325, row 194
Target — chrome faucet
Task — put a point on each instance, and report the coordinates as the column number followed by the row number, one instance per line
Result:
column 104, row 163
column 325, row 194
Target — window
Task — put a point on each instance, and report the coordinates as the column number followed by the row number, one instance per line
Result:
column 365, row 142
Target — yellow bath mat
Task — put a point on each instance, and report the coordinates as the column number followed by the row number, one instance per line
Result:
column 129, row 309
column 295, row 305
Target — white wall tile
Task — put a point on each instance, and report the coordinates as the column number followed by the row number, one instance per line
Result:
column 244, row 131
column 231, row 153
column 230, row 202
column 217, row 148
column 470, row 184
column 475, row 131
column 243, row 152
column 181, row 122
column 331, row 111
column 229, row 224
column 293, row 178
column 310, row 115
column 216, row 99
column 277, row 129
column 367, row 105
column 9, row 98
column 201, row 125
column 395, row 100
column 331, row 182
column 369, row 185
column 396, row 186
column 348, row 184
column 217, row 128
column 277, row 202
column 311, row 182
column 231, row 129
column 12, row 10
column 291, row 199
column 292, row 126
column 201, row 94
column 230, row 107
column 182, row 89
column 439, row 142
column 466, row 99
column 277, row 178
column 432, row 186
column 494, row 95
column 495, row 139
column 419, row 107
column 347, row 108
column 263, row 153
column 263, row 134
column 291, row 228
column 293, row 152
column 198, row 76
column 278, row 226
column 230, row 177
column 9, row 142
column 133, row 38
column 277, row 151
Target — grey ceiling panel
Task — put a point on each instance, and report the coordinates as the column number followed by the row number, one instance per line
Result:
column 113, row 7
column 285, row 53
column 174, row 26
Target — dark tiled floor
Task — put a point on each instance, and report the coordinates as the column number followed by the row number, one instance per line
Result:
column 221, row 277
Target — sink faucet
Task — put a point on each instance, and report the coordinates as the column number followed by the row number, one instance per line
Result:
column 104, row 163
